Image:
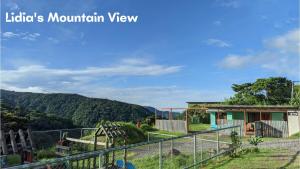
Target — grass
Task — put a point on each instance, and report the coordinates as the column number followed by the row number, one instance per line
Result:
column 265, row 158
column 169, row 133
column 199, row 127
column 295, row 136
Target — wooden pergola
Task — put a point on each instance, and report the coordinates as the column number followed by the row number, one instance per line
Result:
column 17, row 143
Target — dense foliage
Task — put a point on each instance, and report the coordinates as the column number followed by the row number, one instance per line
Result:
column 15, row 119
column 268, row 91
column 83, row 111
column 296, row 98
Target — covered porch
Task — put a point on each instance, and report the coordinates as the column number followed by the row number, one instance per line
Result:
column 269, row 121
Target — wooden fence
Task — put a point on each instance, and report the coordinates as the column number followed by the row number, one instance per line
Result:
column 171, row 125
column 268, row 128
column 227, row 123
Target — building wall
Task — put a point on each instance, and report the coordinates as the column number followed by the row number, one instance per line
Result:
column 238, row 116
column 294, row 123
column 213, row 120
column 229, row 116
column 277, row 116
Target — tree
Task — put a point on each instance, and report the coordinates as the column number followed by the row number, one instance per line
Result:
column 295, row 101
column 267, row 91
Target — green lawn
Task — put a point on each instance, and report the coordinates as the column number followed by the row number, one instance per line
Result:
column 199, row 127
column 266, row 158
column 295, row 136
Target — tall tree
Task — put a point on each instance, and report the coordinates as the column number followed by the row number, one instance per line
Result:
column 270, row 91
column 295, row 101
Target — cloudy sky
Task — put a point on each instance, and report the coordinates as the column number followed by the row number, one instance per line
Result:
column 177, row 52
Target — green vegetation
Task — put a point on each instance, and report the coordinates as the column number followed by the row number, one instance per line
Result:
column 265, row 158
column 268, row 91
column 255, row 141
column 199, row 127
column 12, row 118
column 46, row 154
column 295, row 136
column 83, row 111
column 296, row 98
column 236, row 144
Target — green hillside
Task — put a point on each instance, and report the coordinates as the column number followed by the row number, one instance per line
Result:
column 83, row 111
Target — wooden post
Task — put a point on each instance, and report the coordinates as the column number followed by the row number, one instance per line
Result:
column 195, row 150
column 260, row 116
column 13, row 141
column 218, row 142
column 30, row 139
column 3, row 142
column 187, row 120
column 218, row 117
column 125, row 155
column 160, row 155
column 22, row 139
column 113, row 152
column 95, row 147
column 245, row 122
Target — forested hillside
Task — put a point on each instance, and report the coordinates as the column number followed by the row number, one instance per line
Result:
column 83, row 111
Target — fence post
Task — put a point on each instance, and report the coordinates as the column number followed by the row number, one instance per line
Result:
column 81, row 133
column 60, row 135
column 100, row 161
column 240, row 132
column 195, row 150
column 172, row 149
column 218, row 143
column 160, row 155
column 148, row 141
column 201, row 150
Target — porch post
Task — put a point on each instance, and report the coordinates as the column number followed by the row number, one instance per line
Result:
column 187, row 120
column 245, row 122
column 260, row 116
column 218, row 117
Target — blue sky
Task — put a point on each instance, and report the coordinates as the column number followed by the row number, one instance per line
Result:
column 176, row 52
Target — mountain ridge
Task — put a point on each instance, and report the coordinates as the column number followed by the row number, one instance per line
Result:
column 83, row 111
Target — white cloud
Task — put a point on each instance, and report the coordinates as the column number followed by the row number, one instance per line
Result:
column 31, row 36
column 281, row 54
column 217, row 23
column 118, row 70
column 54, row 40
column 21, row 35
column 39, row 75
column 9, row 35
column 12, row 6
column 286, row 43
column 217, row 42
column 92, row 81
column 159, row 96
column 34, row 89
column 135, row 61
column 229, row 3
column 235, row 61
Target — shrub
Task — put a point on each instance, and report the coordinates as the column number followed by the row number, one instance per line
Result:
column 255, row 141
column 147, row 128
column 46, row 154
column 236, row 144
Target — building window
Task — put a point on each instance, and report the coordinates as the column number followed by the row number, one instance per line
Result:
column 285, row 116
column 221, row 118
column 265, row 116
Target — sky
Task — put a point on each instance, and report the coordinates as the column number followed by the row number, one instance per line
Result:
column 176, row 52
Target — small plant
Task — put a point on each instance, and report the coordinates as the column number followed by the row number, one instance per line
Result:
column 255, row 141
column 236, row 144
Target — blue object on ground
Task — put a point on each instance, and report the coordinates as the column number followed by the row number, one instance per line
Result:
column 120, row 164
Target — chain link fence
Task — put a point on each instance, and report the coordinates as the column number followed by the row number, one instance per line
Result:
column 188, row 151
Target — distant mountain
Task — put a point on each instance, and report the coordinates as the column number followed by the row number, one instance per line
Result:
column 162, row 114
column 83, row 111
